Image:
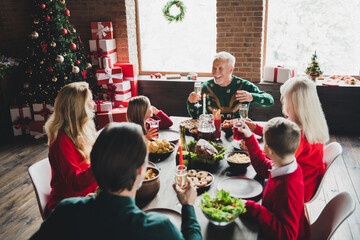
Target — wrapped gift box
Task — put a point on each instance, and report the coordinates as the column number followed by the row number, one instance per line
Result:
column 109, row 75
column 37, row 128
column 129, row 73
column 123, row 96
column 102, row 30
column 20, row 118
column 103, row 52
column 278, row 74
column 119, row 87
column 42, row 111
column 115, row 115
column 102, row 106
column 121, row 103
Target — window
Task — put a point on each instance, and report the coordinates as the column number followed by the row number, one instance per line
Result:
column 187, row 46
column 295, row 29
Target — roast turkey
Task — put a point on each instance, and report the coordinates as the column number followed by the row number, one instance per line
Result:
column 204, row 148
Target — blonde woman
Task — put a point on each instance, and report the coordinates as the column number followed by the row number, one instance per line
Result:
column 301, row 104
column 140, row 110
column 71, row 133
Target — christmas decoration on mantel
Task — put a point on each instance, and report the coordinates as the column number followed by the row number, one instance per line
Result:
column 55, row 54
column 313, row 70
column 177, row 18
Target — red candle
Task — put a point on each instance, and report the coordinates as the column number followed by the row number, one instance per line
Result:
column 180, row 157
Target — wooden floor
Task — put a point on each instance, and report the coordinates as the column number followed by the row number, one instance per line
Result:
column 20, row 217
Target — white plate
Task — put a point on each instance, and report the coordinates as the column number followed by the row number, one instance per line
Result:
column 170, row 135
column 241, row 187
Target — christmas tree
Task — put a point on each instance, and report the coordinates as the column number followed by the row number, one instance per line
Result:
column 313, row 70
column 55, row 54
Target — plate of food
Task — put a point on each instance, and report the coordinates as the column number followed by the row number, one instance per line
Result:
column 241, row 187
column 223, row 209
column 173, row 215
column 205, row 155
column 159, row 149
column 201, row 179
column 191, row 125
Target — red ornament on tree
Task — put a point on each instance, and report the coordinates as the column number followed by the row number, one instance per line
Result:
column 72, row 46
column 51, row 69
column 77, row 62
column 42, row 6
column 64, row 31
column 47, row 18
column 67, row 12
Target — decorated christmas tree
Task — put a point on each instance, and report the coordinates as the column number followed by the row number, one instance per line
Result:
column 55, row 54
column 313, row 70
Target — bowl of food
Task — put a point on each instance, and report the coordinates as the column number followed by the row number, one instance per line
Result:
column 238, row 160
column 160, row 149
column 223, row 209
column 150, row 185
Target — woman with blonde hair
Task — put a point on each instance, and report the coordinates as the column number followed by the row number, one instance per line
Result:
column 140, row 111
column 71, row 133
column 301, row 104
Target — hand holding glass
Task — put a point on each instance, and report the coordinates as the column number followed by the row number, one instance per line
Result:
column 181, row 175
column 238, row 125
column 154, row 125
column 197, row 90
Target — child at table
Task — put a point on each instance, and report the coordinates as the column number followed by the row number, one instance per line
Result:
column 301, row 104
column 140, row 111
column 281, row 215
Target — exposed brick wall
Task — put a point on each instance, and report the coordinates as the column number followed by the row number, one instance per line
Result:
column 239, row 31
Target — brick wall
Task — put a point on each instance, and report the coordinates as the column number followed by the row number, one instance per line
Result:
column 239, row 31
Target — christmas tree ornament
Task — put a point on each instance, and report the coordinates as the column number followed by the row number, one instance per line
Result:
column 180, row 16
column 62, row 1
column 72, row 46
column 65, row 54
column 74, row 30
column 65, row 78
column 77, row 62
column 54, row 79
column 75, row 69
column 64, row 31
column 313, row 70
column 34, row 35
column 39, row 85
column 53, row 44
column 51, row 69
column 30, row 71
column 59, row 58
column 67, row 12
column 47, row 18
column 26, row 85
column 36, row 21
column 88, row 65
column 42, row 6
column 41, row 62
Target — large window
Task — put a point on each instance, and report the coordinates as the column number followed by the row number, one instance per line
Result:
column 186, row 46
column 296, row 28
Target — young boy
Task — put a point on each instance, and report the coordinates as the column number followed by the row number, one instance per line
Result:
column 281, row 215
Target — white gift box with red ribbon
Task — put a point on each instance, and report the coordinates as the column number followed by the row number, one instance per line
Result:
column 102, row 30
column 102, row 106
column 103, row 53
column 122, row 96
column 130, row 74
column 20, row 118
column 278, row 74
column 42, row 111
column 109, row 75
column 120, row 87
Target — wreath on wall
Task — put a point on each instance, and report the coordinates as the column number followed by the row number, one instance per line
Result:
column 177, row 18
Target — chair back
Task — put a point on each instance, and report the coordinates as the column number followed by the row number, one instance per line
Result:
column 332, row 216
column 331, row 153
column 40, row 175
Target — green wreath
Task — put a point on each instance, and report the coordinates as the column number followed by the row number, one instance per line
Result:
column 177, row 18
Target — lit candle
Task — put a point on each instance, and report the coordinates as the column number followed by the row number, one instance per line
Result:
column 181, row 162
column 204, row 104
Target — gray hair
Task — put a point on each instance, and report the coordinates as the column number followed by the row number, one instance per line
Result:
column 225, row 56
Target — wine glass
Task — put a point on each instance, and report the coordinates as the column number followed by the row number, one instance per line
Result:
column 180, row 178
column 243, row 111
column 197, row 90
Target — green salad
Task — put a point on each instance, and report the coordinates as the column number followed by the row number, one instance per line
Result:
column 223, row 208
column 216, row 157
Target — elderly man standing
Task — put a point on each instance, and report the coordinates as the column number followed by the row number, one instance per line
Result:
column 226, row 92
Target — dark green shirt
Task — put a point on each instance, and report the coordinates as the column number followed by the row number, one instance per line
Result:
column 223, row 98
column 108, row 216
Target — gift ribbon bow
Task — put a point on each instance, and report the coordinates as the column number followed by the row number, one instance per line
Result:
column 98, row 104
column 108, row 75
column 110, row 92
column 101, row 30
column 44, row 112
column 21, row 121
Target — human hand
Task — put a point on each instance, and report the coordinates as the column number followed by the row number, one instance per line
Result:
column 186, row 195
column 193, row 97
column 154, row 110
column 251, row 124
column 242, row 127
column 152, row 132
column 244, row 96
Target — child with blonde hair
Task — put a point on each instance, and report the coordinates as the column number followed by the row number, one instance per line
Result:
column 71, row 133
column 301, row 104
column 140, row 111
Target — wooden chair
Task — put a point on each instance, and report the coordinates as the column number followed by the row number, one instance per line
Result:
column 40, row 175
column 332, row 216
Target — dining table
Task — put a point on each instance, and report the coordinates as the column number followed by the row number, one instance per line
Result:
column 241, row 228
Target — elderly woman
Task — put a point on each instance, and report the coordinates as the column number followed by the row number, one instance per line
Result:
column 225, row 91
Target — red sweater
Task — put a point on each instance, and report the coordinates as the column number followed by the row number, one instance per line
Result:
column 310, row 158
column 164, row 120
column 71, row 176
column 281, row 216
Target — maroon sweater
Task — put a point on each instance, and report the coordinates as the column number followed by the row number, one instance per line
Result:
column 281, row 215
column 310, row 158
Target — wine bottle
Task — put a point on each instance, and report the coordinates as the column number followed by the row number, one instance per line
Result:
column 185, row 148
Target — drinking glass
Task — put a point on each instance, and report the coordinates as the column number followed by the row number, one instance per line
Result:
column 181, row 175
column 197, row 90
column 154, row 124
column 243, row 111
column 238, row 124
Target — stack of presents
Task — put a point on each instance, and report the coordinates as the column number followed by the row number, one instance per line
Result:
column 118, row 83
